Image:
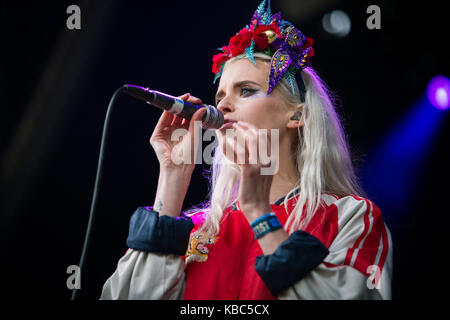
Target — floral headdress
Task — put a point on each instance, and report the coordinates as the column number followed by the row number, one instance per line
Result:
column 289, row 48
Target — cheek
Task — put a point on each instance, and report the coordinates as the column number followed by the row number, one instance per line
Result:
column 263, row 113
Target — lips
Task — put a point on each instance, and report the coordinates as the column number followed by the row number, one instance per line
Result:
column 227, row 123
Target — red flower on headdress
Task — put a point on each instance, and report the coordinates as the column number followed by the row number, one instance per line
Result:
column 224, row 49
column 240, row 42
column 308, row 43
column 260, row 38
column 218, row 60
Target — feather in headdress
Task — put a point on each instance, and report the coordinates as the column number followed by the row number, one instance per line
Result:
column 249, row 52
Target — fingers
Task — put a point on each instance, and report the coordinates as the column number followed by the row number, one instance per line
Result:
column 168, row 119
column 247, row 147
column 261, row 138
column 177, row 121
column 253, row 145
column 190, row 124
column 187, row 97
column 198, row 115
column 164, row 120
column 184, row 96
column 184, row 123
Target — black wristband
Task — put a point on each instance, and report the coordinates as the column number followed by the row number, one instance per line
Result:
column 150, row 232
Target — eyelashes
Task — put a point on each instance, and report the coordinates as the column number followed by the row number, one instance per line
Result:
column 249, row 90
column 244, row 92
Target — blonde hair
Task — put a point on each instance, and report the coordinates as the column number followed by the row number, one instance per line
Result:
column 321, row 155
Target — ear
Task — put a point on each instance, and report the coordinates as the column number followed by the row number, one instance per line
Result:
column 295, row 118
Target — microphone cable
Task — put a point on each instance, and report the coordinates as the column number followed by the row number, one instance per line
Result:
column 212, row 119
column 98, row 177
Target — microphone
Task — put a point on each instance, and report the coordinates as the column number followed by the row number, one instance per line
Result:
column 212, row 119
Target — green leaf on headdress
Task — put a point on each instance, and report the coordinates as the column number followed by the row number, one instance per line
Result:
column 290, row 77
column 269, row 51
column 218, row 75
column 261, row 6
column 264, row 12
column 249, row 52
column 267, row 17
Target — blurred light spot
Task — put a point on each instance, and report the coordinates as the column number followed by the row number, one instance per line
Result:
column 337, row 23
column 438, row 92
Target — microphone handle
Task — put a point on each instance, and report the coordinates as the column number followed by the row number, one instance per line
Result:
column 179, row 107
column 213, row 118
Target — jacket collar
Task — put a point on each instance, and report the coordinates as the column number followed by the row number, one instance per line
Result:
column 290, row 195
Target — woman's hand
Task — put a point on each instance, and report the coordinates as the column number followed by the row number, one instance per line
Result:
column 175, row 176
column 254, row 190
column 170, row 145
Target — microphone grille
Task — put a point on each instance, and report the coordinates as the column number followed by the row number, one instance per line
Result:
column 213, row 118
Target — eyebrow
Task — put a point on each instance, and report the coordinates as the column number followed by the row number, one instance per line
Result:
column 220, row 93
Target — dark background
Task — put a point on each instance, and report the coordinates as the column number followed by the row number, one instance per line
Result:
column 56, row 84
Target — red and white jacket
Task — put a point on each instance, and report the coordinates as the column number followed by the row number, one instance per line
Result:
column 358, row 265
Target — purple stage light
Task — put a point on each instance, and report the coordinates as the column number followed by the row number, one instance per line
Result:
column 438, row 92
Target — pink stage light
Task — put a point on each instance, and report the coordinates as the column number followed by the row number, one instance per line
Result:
column 438, row 92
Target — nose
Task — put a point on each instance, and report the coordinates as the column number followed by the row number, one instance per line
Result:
column 225, row 107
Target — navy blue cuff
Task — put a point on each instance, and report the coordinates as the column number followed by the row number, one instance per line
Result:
column 150, row 232
column 292, row 260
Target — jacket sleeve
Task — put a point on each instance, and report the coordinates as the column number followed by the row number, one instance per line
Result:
column 144, row 275
column 357, row 264
column 153, row 267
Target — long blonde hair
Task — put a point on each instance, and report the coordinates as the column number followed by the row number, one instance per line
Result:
column 321, row 155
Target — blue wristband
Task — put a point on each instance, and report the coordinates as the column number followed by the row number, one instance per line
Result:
column 265, row 224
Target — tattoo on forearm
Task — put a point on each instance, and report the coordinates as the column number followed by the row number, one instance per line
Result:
column 159, row 205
